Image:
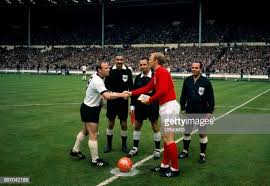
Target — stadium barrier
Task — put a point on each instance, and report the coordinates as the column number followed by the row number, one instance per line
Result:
column 224, row 76
column 168, row 45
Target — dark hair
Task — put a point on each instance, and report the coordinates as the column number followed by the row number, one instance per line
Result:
column 118, row 54
column 201, row 65
column 144, row 58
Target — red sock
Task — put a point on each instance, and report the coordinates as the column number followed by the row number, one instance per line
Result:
column 166, row 158
column 173, row 155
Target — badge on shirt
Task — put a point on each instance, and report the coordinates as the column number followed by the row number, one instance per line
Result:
column 124, row 77
column 201, row 91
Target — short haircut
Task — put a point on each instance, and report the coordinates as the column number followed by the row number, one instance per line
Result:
column 118, row 54
column 199, row 63
column 144, row 58
column 98, row 65
column 159, row 56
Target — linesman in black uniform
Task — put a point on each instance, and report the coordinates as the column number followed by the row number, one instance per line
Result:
column 119, row 80
column 143, row 111
column 197, row 101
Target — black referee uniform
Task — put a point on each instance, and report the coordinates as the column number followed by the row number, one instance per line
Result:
column 119, row 80
column 197, row 97
column 143, row 111
column 197, row 100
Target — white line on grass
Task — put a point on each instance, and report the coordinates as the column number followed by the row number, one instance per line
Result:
column 253, row 108
column 37, row 104
column 111, row 179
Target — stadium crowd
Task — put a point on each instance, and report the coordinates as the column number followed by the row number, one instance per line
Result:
column 141, row 33
column 252, row 59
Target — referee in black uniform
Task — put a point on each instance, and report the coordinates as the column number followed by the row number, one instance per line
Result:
column 119, row 80
column 197, row 101
column 143, row 111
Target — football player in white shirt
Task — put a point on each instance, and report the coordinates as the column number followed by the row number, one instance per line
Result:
column 84, row 68
column 90, row 110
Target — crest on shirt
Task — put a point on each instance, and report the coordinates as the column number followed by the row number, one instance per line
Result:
column 201, row 91
column 124, row 77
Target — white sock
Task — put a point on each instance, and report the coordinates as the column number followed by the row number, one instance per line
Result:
column 157, row 136
column 204, row 140
column 173, row 169
column 93, row 146
column 164, row 166
column 109, row 132
column 124, row 133
column 136, row 135
column 79, row 139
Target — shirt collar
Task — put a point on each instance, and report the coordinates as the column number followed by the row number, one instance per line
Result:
column 123, row 67
column 148, row 75
column 99, row 76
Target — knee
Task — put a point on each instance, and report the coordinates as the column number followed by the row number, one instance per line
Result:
column 168, row 138
column 123, row 125
column 93, row 136
column 110, row 124
column 202, row 135
column 155, row 128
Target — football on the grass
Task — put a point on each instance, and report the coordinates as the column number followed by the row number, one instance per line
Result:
column 124, row 164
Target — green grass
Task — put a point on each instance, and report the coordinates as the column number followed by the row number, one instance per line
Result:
column 36, row 139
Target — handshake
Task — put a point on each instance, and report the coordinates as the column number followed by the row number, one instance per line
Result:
column 143, row 98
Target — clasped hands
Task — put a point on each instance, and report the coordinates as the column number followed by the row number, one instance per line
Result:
column 143, row 98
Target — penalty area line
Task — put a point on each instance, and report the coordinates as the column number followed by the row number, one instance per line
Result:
column 111, row 179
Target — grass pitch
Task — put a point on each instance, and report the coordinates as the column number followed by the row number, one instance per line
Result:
column 39, row 116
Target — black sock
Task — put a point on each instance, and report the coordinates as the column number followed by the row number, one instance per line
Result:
column 157, row 143
column 124, row 141
column 186, row 144
column 136, row 143
column 203, row 147
column 109, row 140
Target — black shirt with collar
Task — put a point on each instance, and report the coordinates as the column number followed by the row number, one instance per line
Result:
column 140, row 81
column 197, row 97
column 119, row 80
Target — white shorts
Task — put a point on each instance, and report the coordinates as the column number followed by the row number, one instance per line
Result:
column 169, row 110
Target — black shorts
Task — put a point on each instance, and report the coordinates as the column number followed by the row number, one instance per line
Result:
column 89, row 114
column 83, row 72
column 144, row 112
column 118, row 107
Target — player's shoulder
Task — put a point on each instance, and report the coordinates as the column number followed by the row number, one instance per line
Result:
column 162, row 70
column 205, row 80
column 189, row 78
column 127, row 70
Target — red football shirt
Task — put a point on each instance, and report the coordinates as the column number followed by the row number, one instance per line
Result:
column 162, row 83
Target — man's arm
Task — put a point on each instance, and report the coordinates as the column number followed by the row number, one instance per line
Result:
column 134, row 98
column 130, row 81
column 113, row 95
column 183, row 96
column 210, row 98
column 143, row 90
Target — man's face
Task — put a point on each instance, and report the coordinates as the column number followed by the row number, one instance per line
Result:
column 144, row 66
column 105, row 70
column 119, row 61
column 196, row 69
column 152, row 61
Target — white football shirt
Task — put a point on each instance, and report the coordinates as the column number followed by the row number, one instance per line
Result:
column 84, row 68
column 95, row 89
